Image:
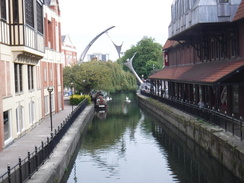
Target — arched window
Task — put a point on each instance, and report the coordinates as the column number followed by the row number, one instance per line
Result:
column 31, row 112
column 20, row 119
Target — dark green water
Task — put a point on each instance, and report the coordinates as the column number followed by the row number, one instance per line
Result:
column 126, row 144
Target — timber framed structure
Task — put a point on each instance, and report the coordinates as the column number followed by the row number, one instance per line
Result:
column 204, row 56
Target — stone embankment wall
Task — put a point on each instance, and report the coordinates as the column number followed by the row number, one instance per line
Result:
column 56, row 166
column 226, row 148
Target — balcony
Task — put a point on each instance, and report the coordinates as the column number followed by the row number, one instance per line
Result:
column 26, row 44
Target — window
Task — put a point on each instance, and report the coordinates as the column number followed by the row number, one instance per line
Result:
column 213, row 48
column 6, row 121
column 58, row 74
column 39, row 18
column 32, row 112
column 15, row 11
column 45, row 74
column 235, row 99
column 19, row 119
column 187, row 5
column 18, row 78
column 223, row 46
column 51, row 74
column 223, row 1
column 234, row 44
column 3, row 9
column 34, row 13
column 29, row 12
column 30, row 77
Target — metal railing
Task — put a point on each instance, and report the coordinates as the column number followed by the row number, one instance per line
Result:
column 26, row 167
column 228, row 123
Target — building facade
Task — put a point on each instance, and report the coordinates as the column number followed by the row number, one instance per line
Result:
column 98, row 56
column 24, row 58
column 204, row 55
column 69, row 52
column 51, row 64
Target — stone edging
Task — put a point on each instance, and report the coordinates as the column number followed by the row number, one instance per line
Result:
column 226, row 148
column 54, row 168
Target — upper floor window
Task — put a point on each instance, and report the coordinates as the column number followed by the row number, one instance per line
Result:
column 29, row 12
column 187, row 5
column 39, row 18
column 223, row 1
column 3, row 9
column 16, row 11
column 34, row 14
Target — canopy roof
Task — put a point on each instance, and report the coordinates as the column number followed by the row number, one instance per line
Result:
column 208, row 73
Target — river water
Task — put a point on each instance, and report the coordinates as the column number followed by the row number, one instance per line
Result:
column 126, row 144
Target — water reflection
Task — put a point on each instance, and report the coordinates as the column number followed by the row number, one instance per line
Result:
column 130, row 145
column 187, row 161
column 101, row 114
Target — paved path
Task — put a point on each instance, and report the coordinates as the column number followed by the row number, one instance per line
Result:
column 32, row 138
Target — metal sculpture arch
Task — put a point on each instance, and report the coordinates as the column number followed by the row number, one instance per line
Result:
column 128, row 63
column 90, row 44
column 117, row 47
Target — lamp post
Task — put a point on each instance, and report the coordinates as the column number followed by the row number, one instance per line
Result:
column 50, row 90
column 72, row 87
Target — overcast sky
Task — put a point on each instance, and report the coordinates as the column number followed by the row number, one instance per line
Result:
column 133, row 19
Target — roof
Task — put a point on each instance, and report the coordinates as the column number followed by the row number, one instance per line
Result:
column 169, row 43
column 208, row 73
column 240, row 12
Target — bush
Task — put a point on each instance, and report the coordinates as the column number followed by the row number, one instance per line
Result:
column 76, row 99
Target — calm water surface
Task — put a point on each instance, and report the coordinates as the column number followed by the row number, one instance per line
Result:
column 128, row 145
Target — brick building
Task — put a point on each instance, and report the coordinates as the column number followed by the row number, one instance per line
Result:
column 69, row 52
column 29, row 63
column 204, row 55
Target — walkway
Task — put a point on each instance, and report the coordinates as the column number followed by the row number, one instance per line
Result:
column 34, row 137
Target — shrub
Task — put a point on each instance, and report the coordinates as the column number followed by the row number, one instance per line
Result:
column 76, row 99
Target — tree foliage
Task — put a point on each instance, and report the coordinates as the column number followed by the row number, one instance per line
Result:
column 108, row 76
column 148, row 57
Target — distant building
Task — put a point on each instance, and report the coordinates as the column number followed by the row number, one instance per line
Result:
column 204, row 55
column 98, row 56
column 69, row 52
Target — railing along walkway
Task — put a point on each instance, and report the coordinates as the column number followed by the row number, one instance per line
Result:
column 228, row 123
column 26, row 167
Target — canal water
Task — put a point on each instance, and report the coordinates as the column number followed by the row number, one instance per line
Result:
column 127, row 144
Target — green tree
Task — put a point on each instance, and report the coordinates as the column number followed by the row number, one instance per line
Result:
column 148, row 57
column 108, row 76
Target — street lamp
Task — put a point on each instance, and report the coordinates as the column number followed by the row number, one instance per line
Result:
column 72, row 87
column 50, row 90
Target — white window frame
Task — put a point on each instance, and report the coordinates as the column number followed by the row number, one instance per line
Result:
column 19, row 119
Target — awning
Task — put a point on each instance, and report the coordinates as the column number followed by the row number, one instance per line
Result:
column 208, row 73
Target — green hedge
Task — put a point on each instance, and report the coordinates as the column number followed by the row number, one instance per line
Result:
column 76, row 99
